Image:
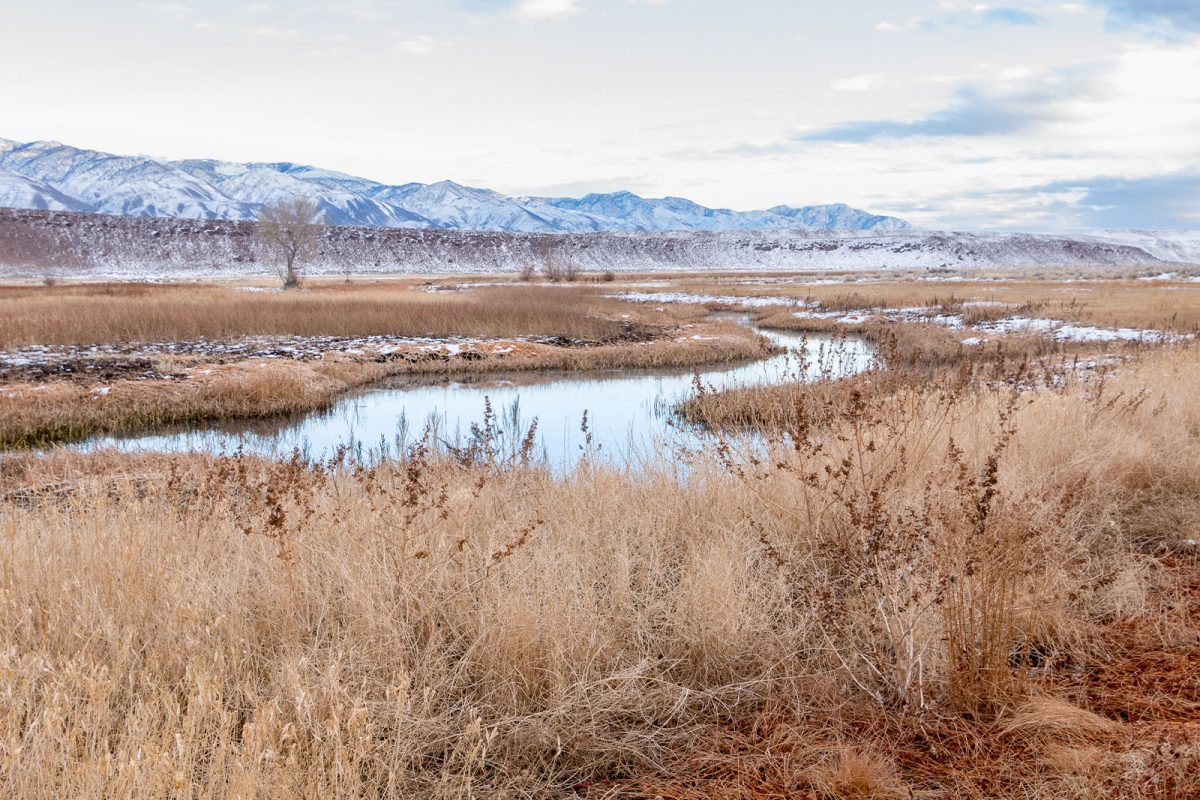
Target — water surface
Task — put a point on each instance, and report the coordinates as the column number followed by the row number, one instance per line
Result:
column 629, row 413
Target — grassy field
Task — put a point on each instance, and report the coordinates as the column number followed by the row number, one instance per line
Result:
column 972, row 574
column 101, row 313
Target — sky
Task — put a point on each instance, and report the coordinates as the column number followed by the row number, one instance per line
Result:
column 1024, row 115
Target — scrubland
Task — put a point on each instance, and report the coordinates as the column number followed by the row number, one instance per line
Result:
column 970, row 573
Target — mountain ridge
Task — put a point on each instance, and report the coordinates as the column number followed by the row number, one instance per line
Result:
column 56, row 176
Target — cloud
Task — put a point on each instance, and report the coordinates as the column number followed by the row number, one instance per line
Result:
column 638, row 184
column 273, row 32
column 1170, row 18
column 1158, row 201
column 180, row 11
column 864, row 83
column 363, row 9
column 483, row 5
column 535, row 10
column 960, row 14
column 257, row 8
column 1007, row 16
column 910, row 24
column 975, row 112
column 420, row 45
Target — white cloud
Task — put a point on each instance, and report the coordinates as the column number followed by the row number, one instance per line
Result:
column 864, row 83
column 273, row 32
column 180, row 11
column 362, row 9
column 910, row 24
column 420, row 45
column 546, row 9
column 257, row 8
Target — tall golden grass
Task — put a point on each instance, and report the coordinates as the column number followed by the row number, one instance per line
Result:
column 104, row 313
column 196, row 626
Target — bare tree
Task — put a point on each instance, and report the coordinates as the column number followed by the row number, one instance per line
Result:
column 561, row 269
column 288, row 232
column 553, row 268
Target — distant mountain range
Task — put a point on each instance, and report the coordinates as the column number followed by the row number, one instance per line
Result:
column 57, row 177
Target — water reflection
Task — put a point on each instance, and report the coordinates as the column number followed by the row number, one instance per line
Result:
column 629, row 412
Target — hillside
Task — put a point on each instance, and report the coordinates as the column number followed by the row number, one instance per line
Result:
column 36, row 243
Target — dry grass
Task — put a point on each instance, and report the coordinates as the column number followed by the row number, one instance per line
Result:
column 1161, row 305
column 851, row 774
column 907, row 355
column 828, row 622
column 1058, row 718
column 103, row 313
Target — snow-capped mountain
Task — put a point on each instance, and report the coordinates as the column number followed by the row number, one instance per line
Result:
column 679, row 214
column 17, row 191
column 466, row 208
column 50, row 175
column 257, row 185
column 109, row 184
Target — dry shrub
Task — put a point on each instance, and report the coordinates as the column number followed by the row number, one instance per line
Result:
column 934, row 567
column 968, row 549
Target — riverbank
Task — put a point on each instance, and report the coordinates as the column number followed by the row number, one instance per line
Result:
column 76, row 398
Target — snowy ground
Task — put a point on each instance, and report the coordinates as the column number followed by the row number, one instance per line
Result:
column 144, row 361
column 1060, row 330
column 34, row 244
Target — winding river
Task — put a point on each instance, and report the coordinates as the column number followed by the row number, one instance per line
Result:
column 629, row 413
